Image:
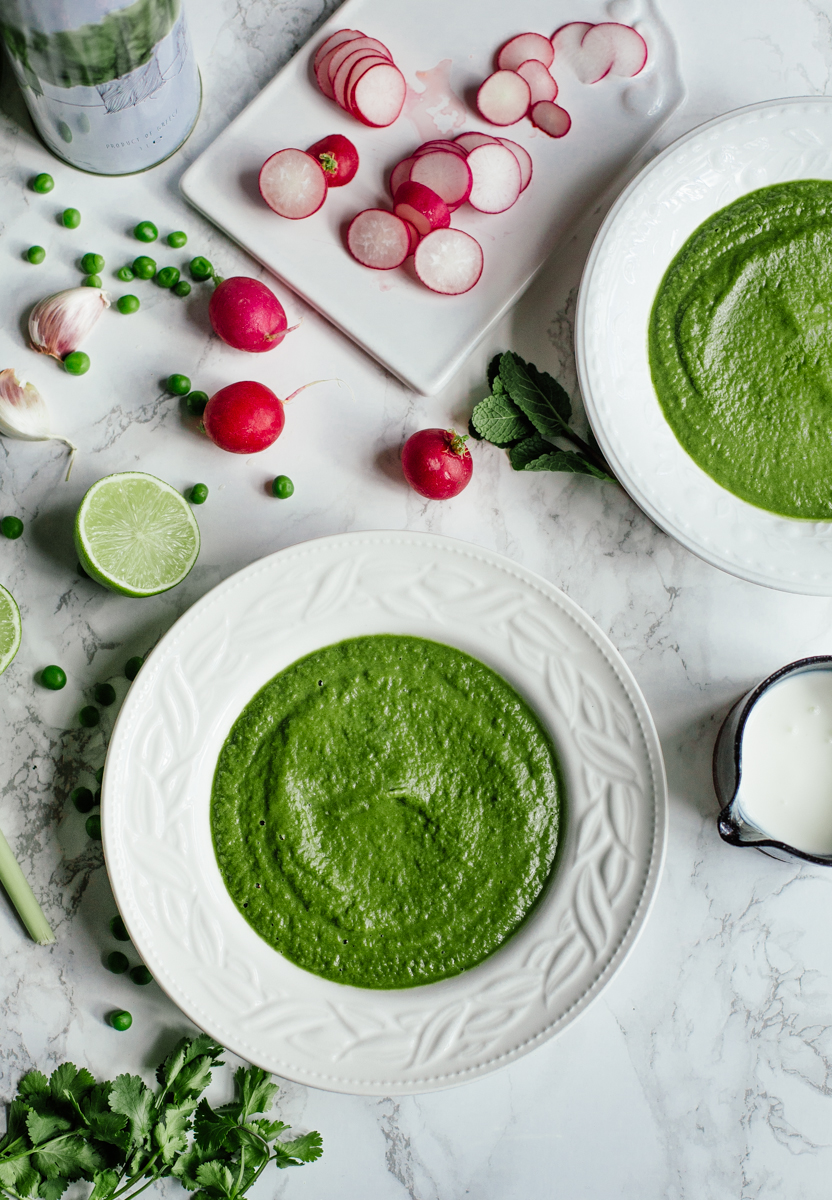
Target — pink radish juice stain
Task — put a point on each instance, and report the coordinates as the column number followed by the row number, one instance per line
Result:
column 437, row 108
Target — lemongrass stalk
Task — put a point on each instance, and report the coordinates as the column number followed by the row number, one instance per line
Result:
column 22, row 896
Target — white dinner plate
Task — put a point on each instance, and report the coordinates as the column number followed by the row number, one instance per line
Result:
column 699, row 174
column 157, row 835
column 445, row 51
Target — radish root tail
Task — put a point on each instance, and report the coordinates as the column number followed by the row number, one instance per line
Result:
column 315, row 382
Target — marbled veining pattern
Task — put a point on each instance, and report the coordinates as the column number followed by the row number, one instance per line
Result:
column 705, row 1069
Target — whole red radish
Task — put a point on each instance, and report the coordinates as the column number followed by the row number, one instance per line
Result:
column 338, row 157
column 244, row 418
column 437, row 463
column 247, row 315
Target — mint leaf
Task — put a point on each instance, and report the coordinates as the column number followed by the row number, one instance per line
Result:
column 498, row 419
column 540, row 397
column 494, row 370
column 528, row 450
column 42, row 1126
column 131, row 1097
column 567, row 460
column 304, row 1149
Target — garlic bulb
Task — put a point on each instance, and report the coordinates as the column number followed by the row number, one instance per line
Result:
column 23, row 413
column 58, row 324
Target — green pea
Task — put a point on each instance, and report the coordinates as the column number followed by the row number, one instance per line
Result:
column 93, row 827
column 167, row 277
column 144, row 267
column 118, row 929
column 182, row 288
column 133, row 666
column 178, row 385
column 71, row 218
column 89, row 716
column 11, row 527
column 141, row 976
column 282, row 487
column 93, row 264
column 124, row 274
column 127, row 304
column 117, row 962
column 146, row 231
column 81, row 797
column 36, row 254
column 196, row 402
column 105, row 694
column 77, row 362
column 53, row 678
column 120, row 1020
column 99, row 774
column 177, row 239
column 198, row 493
column 201, row 268
column 92, row 281
column 43, row 183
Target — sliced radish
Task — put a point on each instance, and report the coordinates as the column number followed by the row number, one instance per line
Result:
column 378, row 97
column 523, row 158
column 334, row 39
column 400, row 174
column 444, row 173
column 339, row 78
column 618, row 46
column 293, row 184
column 325, row 76
column 448, row 261
column 541, row 83
column 566, row 43
column 350, row 73
column 497, row 178
column 340, row 53
column 524, row 47
column 551, row 118
column 378, row 239
column 422, row 207
column 414, row 236
column 470, row 141
column 439, row 144
column 504, row 98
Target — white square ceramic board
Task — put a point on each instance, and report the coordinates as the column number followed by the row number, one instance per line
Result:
column 445, row 51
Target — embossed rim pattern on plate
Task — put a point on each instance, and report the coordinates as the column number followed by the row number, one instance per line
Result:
column 702, row 172
column 157, row 840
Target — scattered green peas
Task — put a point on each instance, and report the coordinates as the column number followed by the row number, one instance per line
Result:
column 43, row 183
column 167, row 277
column 93, row 264
column 92, row 281
column 53, row 677
column 11, row 527
column 117, row 962
column 118, row 929
column 128, row 304
column 81, row 797
column 282, row 487
column 93, row 827
column 124, row 275
column 71, row 218
column 196, row 402
column 198, row 493
column 144, row 267
column 177, row 239
column 133, row 666
column 141, row 976
column 146, row 231
column 89, row 716
column 36, row 254
column 201, row 268
column 105, row 694
column 120, row 1020
column 182, row 288
column 77, row 362
column 179, row 385
column 99, row 775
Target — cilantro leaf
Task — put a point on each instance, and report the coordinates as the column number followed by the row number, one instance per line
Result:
column 72, row 1157
column 498, row 419
column 27, row 1181
column 184, row 1052
column 186, row 1165
column 33, row 1084
column 214, row 1129
column 53, row 1189
column 15, row 1138
column 169, row 1132
column 68, row 1083
column 103, row 1124
column 269, row 1130
column 304, row 1149
column 105, row 1183
column 215, row 1178
column 540, row 397
column 42, row 1126
column 10, row 1172
column 256, row 1090
column 131, row 1097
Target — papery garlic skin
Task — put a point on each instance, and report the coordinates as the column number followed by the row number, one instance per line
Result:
column 59, row 324
column 23, row 413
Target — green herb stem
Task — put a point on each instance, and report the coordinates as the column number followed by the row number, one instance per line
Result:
column 22, row 896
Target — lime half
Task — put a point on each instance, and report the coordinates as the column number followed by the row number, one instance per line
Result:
column 10, row 629
column 136, row 534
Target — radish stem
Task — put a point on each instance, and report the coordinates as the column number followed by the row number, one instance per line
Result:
column 22, row 896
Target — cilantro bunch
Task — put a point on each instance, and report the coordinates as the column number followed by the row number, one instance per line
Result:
column 528, row 413
column 122, row 1137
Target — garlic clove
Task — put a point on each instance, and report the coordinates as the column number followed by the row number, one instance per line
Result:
column 23, row 413
column 59, row 323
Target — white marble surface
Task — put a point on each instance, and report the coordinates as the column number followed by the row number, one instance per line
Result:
column 705, row 1069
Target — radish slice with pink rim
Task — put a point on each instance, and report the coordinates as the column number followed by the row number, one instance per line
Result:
column 293, row 184
column 345, row 84
column 421, row 207
column 504, row 98
column 334, row 39
column 444, row 173
column 566, row 43
column 550, row 118
column 378, row 239
column 337, row 56
column 470, row 141
column 610, row 49
column 541, row 83
column 340, row 78
column 414, row 236
column 448, row 261
column 524, row 160
column 497, row 178
column 524, row 47
column 430, row 147
column 400, row 174
column 378, row 97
